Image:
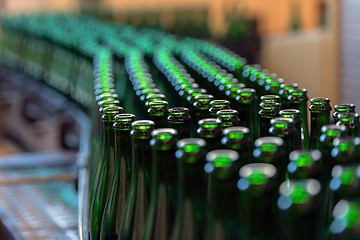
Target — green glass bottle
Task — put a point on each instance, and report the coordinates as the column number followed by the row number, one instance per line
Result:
column 137, row 204
column 342, row 108
column 297, row 99
column 238, row 139
column 210, row 130
column 345, row 182
column 231, row 92
column 101, row 91
column 352, row 123
column 271, row 150
column 143, row 93
column 329, row 134
column 284, row 93
column 201, row 107
column 192, row 210
column 106, row 96
column 346, row 150
column 153, row 98
column 97, row 143
column 228, row 118
column 268, row 111
column 295, row 115
column 158, row 112
column 184, row 90
column 107, row 103
column 191, row 94
column 179, row 119
column 270, row 98
column 320, row 115
column 224, row 213
column 115, row 204
column 217, row 105
column 104, row 172
column 345, row 224
column 259, row 181
column 284, row 128
column 248, row 110
column 272, row 85
column 305, row 164
column 164, row 196
column 248, row 71
column 299, row 205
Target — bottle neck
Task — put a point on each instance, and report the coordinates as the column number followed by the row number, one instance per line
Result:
column 141, row 156
column 192, row 181
column 109, row 143
column 318, row 120
column 182, row 128
column 165, row 171
column 123, row 147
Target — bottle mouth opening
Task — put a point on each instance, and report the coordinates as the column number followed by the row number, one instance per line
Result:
column 178, row 110
column 281, row 121
column 344, row 106
column 304, row 157
column 289, row 111
column 269, row 141
column 189, row 144
column 209, row 123
column 164, row 133
column 219, row 103
column 270, row 97
column 227, row 112
column 235, row 132
column 320, row 100
column 222, row 158
column 258, row 173
column 143, row 125
column 300, row 191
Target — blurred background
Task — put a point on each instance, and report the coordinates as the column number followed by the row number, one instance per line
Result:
column 310, row 42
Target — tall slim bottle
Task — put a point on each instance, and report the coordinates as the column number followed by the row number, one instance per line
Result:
column 115, row 204
column 258, row 186
column 190, row 223
column 104, row 172
column 164, row 196
column 224, row 212
column 137, row 205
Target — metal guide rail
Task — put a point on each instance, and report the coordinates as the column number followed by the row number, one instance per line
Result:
column 38, row 195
